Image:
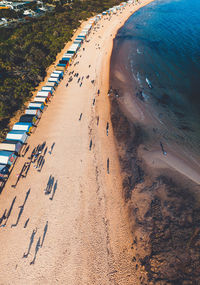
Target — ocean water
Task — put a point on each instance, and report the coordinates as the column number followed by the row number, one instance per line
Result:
column 161, row 43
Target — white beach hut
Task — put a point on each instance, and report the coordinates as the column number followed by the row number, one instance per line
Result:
column 17, row 135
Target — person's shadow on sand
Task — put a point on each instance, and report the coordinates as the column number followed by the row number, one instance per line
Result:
column 54, row 190
column 44, row 234
column 36, row 251
column 10, row 210
column 30, row 244
column 21, row 209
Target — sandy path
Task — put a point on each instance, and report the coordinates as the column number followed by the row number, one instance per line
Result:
column 87, row 237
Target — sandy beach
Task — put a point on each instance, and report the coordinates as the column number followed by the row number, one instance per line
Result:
column 79, row 233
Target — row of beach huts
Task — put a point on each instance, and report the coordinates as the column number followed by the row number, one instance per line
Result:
column 15, row 140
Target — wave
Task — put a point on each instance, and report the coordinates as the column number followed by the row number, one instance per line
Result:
column 139, row 52
column 138, row 79
column 149, row 83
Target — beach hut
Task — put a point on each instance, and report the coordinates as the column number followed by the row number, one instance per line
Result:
column 7, row 157
column 34, row 105
column 91, row 23
column 47, row 88
column 71, row 51
column 56, row 75
column 51, row 84
column 81, row 36
column 28, row 119
column 64, row 61
column 89, row 26
column 78, row 42
column 61, row 65
column 59, row 72
column 74, row 48
column 79, row 39
column 52, row 79
column 68, row 55
column 60, row 68
column 17, row 135
column 4, row 172
column 23, row 127
column 40, row 100
column 11, row 145
column 35, row 112
column 83, row 33
column 43, row 93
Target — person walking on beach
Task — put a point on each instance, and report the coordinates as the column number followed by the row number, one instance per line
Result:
column 80, row 116
column 161, row 145
column 90, row 146
column 108, row 166
column 93, row 102
column 97, row 120
column 52, row 146
column 107, row 128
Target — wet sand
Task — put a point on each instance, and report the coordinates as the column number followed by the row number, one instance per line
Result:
column 79, row 232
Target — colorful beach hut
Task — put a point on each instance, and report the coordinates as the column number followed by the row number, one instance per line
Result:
column 34, row 105
column 20, row 136
column 43, row 93
column 35, row 112
column 11, row 145
column 51, row 84
column 23, row 127
column 40, row 100
column 48, row 88
column 7, row 159
column 28, row 119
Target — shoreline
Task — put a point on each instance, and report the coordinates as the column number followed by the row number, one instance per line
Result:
column 161, row 192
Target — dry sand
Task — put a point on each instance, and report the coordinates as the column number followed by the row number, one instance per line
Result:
column 87, row 239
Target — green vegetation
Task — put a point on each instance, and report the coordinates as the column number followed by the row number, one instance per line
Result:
column 10, row 14
column 28, row 49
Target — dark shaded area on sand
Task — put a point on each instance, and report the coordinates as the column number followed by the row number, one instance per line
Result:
column 164, row 215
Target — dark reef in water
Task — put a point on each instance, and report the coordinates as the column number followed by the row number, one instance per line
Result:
column 164, row 215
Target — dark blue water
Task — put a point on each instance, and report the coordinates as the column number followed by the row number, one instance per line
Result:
column 163, row 41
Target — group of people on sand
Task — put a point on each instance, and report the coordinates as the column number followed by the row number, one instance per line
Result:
column 80, row 82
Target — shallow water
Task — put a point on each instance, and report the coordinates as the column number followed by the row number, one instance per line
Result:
column 161, row 44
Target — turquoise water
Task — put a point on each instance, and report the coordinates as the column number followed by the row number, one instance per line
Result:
column 162, row 44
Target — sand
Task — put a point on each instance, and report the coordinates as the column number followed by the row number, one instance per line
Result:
column 87, row 237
